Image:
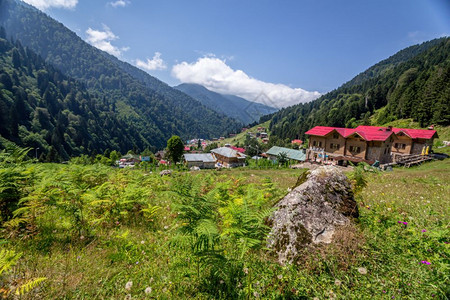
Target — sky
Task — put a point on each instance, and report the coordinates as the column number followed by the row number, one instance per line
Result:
column 278, row 52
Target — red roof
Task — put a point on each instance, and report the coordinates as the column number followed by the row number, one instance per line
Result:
column 186, row 148
column 242, row 150
column 296, row 142
column 372, row 133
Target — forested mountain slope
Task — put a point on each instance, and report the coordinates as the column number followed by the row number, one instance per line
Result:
column 42, row 108
column 233, row 106
column 414, row 83
column 157, row 110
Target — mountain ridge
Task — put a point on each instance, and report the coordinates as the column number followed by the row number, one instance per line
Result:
column 233, row 106
column 158, row 110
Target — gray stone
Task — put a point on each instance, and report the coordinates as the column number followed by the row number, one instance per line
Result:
column 165, row 172
column 310, row 213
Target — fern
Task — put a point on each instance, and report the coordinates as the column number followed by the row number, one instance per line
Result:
column 8, row 258
column 25, row 288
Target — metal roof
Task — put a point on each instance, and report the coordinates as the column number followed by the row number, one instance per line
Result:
column 228, row 152
column 291, row 153
column 204, row 157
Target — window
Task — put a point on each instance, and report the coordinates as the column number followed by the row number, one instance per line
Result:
column 314, row 143
column 334, row 146
column 320, row 144
column 355, row 149
column 335, row 135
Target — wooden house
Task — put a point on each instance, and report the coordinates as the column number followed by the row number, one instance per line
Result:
column 229, row 157
column 366, row 143
column 201, row 160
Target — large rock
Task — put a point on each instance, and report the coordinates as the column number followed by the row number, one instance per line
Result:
column 310, row 213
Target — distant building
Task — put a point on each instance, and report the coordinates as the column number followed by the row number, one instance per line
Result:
column 160, row 155
column 263, row 135
column 201, row 160
column 366, row 143
column 229, row 157
column 297, row 155
column 296, row 142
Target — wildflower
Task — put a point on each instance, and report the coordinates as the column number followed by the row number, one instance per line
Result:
column 142, row 242
column 129, row 285
column 399, row 222
column 384, row 292
column 405, row 223
column 117, row 222
column 245, row 270
column 151, row 279
column 280, row 276
column 148, row 290
column 256, row 294
column 128, row 297
column 425, row 262
column 362, row 271
column 337, row 282
column 221, row 281
column 165, row 227
column 137, row 262
column 424, row 230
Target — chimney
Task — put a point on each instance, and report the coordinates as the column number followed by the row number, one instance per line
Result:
column 389, row 128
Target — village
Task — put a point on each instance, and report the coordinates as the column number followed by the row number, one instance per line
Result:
column 381, row 147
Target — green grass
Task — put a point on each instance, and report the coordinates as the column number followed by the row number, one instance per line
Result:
column 117, row 243
column 240, row 137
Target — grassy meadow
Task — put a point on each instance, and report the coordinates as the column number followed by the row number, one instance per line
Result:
column 95, row 232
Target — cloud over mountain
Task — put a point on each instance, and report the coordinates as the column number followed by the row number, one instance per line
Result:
column 44, row 4
column 102, row 40
column 214, row 74
column 156, row 63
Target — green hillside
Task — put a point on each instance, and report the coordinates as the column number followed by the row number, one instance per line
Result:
column 156, row 110
column 415, row 83
column 94, row 232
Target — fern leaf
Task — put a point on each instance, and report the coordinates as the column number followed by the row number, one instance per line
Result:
column 25, row 288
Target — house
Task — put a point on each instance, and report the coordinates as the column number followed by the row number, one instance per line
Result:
column 297, row 155
column 229, row 157
column 160, row 155
column 263, row 135
column 366, row 143
column 201, row 160
column 129, row 160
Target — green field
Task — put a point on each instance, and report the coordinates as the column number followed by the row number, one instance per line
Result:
column 88, row 232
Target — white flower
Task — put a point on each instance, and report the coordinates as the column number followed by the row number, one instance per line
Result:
column 362, row 271
column 337, row 282
column 142, row 242
column 129, row 285
column 148, row 290
column 128, row 297
column 280, row 276
column 245, row 270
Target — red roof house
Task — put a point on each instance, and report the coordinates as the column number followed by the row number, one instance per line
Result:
column 369, row 143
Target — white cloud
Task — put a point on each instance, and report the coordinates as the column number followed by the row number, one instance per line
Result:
column 156, row 63
column 102, row 40
column 44, row 4
column 214, row 74
column 121, row 3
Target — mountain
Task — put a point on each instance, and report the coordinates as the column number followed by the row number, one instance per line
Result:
column 414, row 83
column 42, row 108
column 156, row 110
column 233, row 106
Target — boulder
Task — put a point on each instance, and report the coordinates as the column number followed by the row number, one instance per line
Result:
column 310, row 213
column 165, row 172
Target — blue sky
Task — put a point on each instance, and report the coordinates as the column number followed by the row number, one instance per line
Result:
column 290, row 50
